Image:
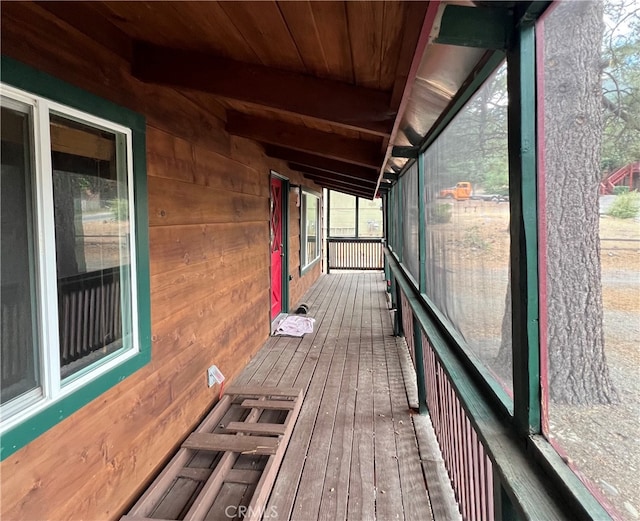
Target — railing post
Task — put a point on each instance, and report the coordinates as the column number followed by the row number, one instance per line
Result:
column 503, row 507
column 419, row 354
column 328, row 256
column 397, row 323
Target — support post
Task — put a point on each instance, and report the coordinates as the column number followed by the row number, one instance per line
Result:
column 419, row 353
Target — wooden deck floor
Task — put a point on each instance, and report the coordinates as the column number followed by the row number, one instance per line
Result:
column 354, row 453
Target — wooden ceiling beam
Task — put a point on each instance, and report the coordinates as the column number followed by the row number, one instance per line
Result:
column 358, row 108
column 83, row 17
column 323, row 174
column 321, row 163
column 347, row 189
column 304, row 139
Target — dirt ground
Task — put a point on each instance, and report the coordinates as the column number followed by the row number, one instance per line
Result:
column 600, row 442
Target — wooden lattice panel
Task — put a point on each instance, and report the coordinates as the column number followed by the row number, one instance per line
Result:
column 227, row 466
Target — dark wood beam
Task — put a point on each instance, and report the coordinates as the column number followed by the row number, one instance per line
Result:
column 339, row 103
column 322, row 174
column 297, row 137
column 347, row 189
column 321, row 163
column 83, row 17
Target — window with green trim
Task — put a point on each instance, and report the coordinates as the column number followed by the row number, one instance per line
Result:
column 75, row 316
column 309, row 229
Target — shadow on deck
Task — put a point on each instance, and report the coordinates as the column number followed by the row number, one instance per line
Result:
column 358, row 451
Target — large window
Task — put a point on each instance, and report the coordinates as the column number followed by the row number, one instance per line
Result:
column 467, row 226
column 354, row 217
column 309, row 229
column 69, row 266
column 589, row 171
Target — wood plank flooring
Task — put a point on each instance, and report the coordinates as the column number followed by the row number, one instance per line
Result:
column 353, row 453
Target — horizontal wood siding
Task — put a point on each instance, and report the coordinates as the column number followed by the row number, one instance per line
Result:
column 209, row 268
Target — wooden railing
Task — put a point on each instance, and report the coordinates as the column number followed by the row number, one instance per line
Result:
column 89, row 313
column 492, row 477
column 89, row 317
column 354, row 254
column 16, row 361
column 465, row 459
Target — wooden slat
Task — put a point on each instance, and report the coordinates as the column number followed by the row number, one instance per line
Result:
column 246, row 477
column 243, row 476
column 212, row 487
column 139, row 518
column 257, row 428
column 263, row 489
column 144, row 506
column 269, row 404
column 256, row 390
column 196, row 474
column 226, row 442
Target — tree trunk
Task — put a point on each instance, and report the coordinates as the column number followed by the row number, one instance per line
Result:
column 578, row 372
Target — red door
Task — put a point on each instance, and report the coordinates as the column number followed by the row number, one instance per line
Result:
column 277, row 251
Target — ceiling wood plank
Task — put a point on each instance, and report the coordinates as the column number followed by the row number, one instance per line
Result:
column 331, row 22
column 83, row 17
column 392, row 39
column 358, row 108
column 302, row 25
column 366, row 32
column 414, row 18
column 323, row 174
column 321, row 163
column 262, row 26
column 304, row 139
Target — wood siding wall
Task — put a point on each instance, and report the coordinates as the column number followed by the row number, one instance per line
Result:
column 209, row 260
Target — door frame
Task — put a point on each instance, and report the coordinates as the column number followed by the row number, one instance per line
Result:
column 285, row 243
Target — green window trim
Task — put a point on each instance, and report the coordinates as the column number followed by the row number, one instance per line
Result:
column 26, row 78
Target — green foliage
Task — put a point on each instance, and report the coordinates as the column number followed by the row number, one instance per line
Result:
column 441, row 213
column 120, row 209
column 625, row 206
column 617, row 190
column 621, row 85
column 474, row 240
column 497, row 180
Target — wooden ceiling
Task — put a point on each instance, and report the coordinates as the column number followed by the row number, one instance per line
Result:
column 319, row 83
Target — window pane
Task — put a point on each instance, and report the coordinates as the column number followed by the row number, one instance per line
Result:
column 311, row 227
column 370, row 218
column 467, row 231
column 589, row 167
column 342, row 215
column 92, row 242
column 410, row 221
column 19, row 353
